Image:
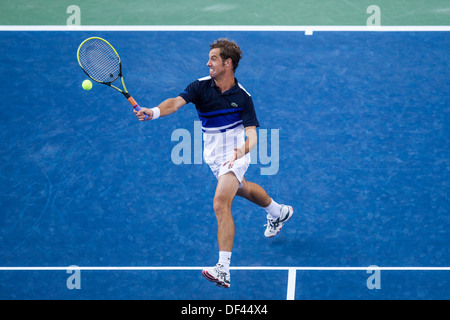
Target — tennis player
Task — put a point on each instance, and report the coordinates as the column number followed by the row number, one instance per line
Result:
column 227, row 114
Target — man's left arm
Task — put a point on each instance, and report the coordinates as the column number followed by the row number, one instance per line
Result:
column 250, row 143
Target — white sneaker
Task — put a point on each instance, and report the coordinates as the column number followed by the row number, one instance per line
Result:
column 217, row 275
column 274, row 225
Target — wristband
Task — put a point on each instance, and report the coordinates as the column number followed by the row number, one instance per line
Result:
column 156, row 113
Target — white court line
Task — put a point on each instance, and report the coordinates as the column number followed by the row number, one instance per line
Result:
column 306, row 29
column 149, row 268
column 292, row 278
column 292, row 271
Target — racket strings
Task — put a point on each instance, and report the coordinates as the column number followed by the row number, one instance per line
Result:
column 99, row 60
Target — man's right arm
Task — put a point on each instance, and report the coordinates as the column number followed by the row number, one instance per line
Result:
column 167, row 107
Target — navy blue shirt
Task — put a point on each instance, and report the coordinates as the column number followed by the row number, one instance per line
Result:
column 220, row 111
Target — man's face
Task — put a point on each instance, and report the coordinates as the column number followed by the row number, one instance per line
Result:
column 215, row 64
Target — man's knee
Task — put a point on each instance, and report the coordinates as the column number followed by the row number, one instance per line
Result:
column 221, row 204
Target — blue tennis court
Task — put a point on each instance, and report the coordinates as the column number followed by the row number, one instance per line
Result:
column 362, row 121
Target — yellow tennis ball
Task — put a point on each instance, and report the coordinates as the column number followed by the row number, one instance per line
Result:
column 87, row 85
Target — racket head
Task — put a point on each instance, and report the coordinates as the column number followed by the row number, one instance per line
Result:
column 99, row 60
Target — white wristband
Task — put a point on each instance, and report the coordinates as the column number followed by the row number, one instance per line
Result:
column 156, row 113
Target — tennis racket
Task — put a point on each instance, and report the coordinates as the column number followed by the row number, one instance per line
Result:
column 101, row 62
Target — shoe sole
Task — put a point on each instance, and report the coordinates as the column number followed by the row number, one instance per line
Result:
column 283, row 223
column 216, row 281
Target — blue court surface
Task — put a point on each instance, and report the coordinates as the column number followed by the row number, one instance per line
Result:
column 363, row 135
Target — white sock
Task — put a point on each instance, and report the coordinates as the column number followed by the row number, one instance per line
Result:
column 225, row 259
column 274, row 209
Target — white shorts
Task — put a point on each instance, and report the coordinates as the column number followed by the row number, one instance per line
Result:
column 239, row 168
column 219, row 147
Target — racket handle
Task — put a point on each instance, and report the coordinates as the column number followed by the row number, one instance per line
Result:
column 136, row 106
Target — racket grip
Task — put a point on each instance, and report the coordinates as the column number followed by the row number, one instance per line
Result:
column 136, row 106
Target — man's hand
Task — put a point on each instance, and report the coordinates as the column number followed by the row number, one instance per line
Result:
column 144, row 111
column 238, row 153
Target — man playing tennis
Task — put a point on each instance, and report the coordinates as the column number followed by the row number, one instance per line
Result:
column 227, row 114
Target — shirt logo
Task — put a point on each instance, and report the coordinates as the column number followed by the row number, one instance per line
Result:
column 234, row 105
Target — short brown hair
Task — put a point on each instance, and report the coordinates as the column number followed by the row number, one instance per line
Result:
column 228, row 49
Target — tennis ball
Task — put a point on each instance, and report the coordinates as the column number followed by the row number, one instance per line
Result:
column 87, row 85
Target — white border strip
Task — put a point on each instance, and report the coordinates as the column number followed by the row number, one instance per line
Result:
column 290, row 269
column 307, row 29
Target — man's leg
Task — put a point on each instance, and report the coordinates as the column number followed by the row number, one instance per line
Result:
column 227, row 186
column 226, row 189
column 277, row 214
column 254, row 193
